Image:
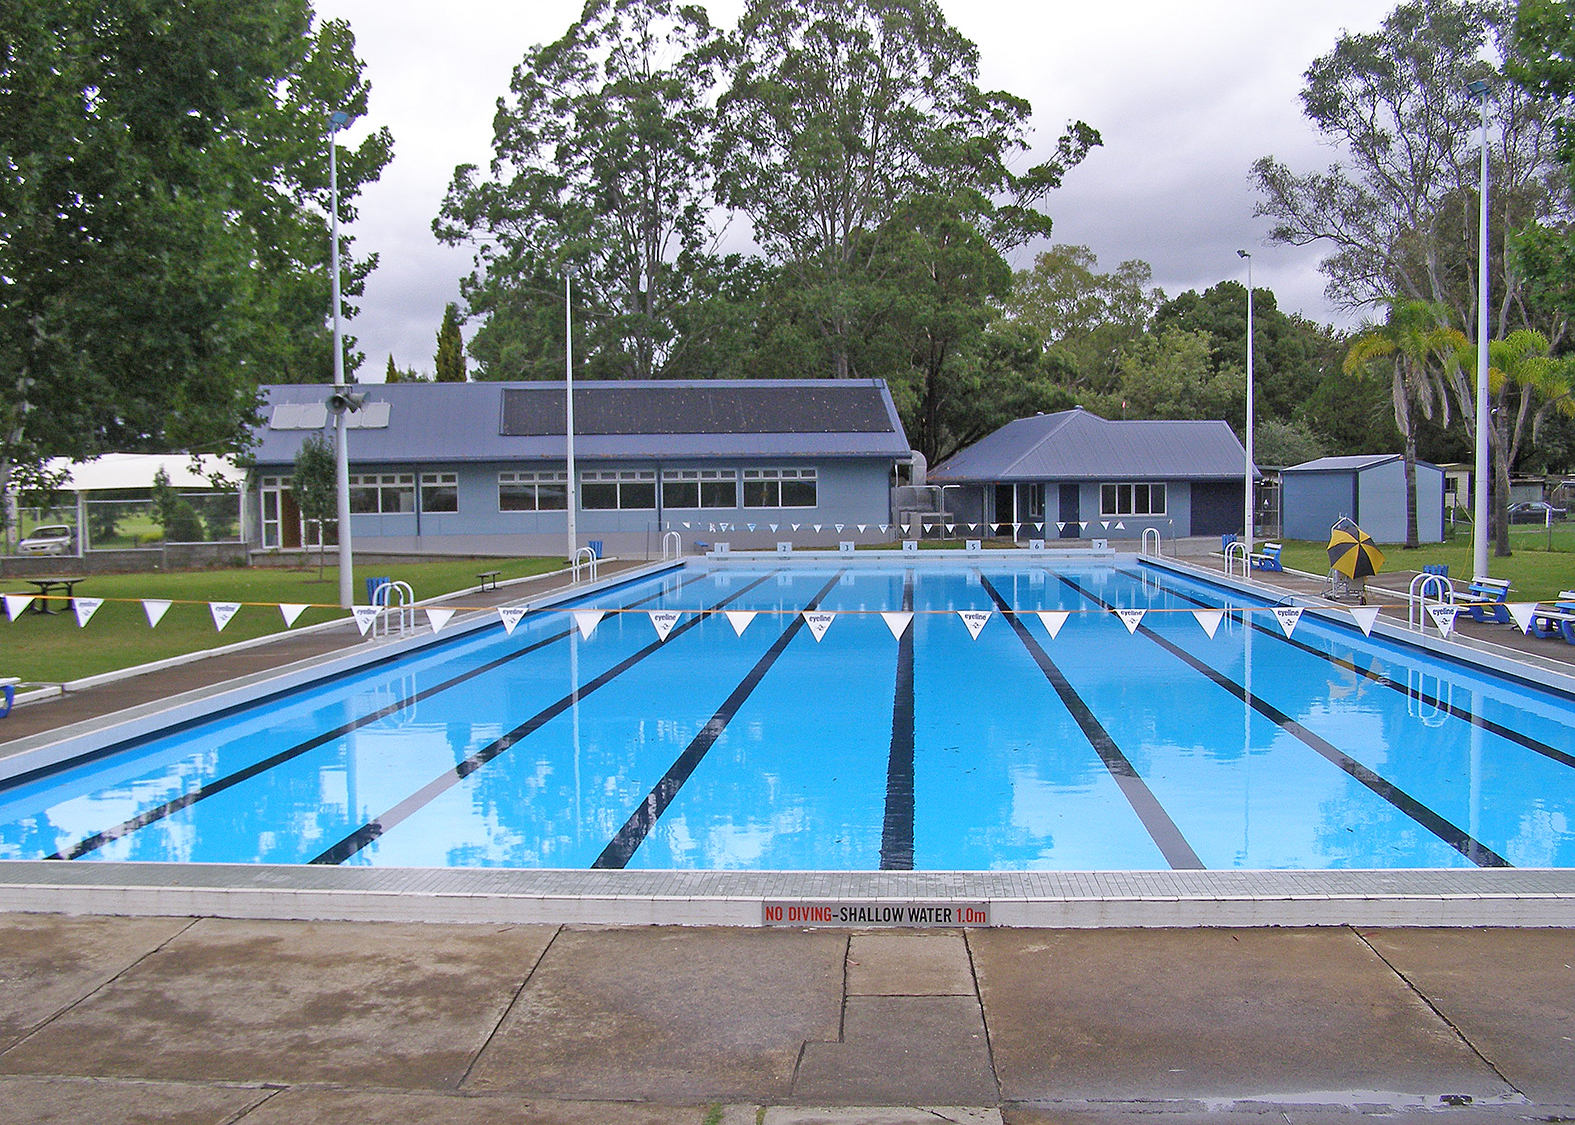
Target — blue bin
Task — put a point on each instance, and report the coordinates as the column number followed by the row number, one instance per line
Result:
column 1441, row 569
column 1227, row 540
column 371, row 591
column 596, row 547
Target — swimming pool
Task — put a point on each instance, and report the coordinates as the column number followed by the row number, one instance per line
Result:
column 750, row 743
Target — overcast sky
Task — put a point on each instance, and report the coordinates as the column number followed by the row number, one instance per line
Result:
column 1186, row 96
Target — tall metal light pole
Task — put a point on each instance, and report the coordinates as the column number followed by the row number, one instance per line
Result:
column 568, row 398
column 337, row 121
column 1250, row 482
column 1479, row 542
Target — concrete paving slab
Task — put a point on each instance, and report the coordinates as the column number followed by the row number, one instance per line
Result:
column 1219, row 1014
column 49, row 962
column 900, row 964
column 404, row 1006
column 1516, row 1006
column 668, row 1015
column 881, row 1115
column 91, row 1101
column 918, row 1049
column 363, row 1107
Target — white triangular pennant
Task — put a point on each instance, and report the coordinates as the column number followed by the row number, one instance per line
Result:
column 839, row 527
column 365, row 615
column 750, row 526
column 773, row 526
column 883, row 528
column 973, row 527
column 739, row 619
column 951, row 527
column 155, row 608
column 1521, row 612
column 795, row 526
column 290, row 611
column 818, row 621
column 1364, row 616
column 222, row 612
column 1288, row 616
column 1053, row 619
column 1016, row 527
column 1210, row 620
column 1082, row 525
column 711, row 528
column 437, row 618
column 1120, row 526
column 664, row 620
column 686, row 525
column 1059, row 526
column 510, row 615
column 587, row 620
column 862, row 526
column 897, row 620
column 1444, row 617
column 1039, row 527
column 818, row 526
column 85, row 609
column 1104, row 525
column 16, row 603
column 975, row 619
column 1131, row 618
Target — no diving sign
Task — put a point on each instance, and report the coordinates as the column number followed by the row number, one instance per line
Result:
column 905, row 915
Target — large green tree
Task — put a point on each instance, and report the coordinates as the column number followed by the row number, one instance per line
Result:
column 599, row 169
column 450, row 358
column 838, row 114
column 163, row 182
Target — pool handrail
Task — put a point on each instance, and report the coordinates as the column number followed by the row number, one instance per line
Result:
column 1159, row 547
column 587, row 558
column 678, row 545
column 404, row 610
column 1418, row 599
column 1236, row 550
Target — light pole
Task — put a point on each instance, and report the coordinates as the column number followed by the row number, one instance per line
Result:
column 1479, row 542
column 339, row 402
column 1248, row 475
column 568, row 409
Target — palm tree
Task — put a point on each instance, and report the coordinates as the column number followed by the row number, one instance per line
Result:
column 1525, row 384
column 1418, row 344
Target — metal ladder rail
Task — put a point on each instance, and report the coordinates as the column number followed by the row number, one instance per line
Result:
column 402, row 610
column 1236, row 550
column 584, row 557
column 1416, row 614
column 677, row 542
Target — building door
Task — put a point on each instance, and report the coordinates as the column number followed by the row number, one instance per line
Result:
column 1069, row 511
column 1005, row 508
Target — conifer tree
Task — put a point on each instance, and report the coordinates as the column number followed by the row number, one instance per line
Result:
column 450, row 348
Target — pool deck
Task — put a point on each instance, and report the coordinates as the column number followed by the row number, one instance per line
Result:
column 332, row 996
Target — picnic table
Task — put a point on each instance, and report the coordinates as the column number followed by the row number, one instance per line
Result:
column 45, row 585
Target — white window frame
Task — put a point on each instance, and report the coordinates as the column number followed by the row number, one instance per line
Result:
column 1125, row 499
column 699, row 478
column 377, row 482
column 620, row 479
column 776, row 475
column 439, row 482
column 534, row 481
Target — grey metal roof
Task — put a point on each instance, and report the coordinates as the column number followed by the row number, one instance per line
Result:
column 724, row 418
column 1077, row 445
column 1344, row 464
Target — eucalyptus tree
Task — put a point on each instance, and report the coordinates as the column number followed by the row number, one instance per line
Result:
column 1398, row 210
column 840, row 111
column 1418, row 347
column 599, row 169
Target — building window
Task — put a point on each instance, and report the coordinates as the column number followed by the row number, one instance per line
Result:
column 440, row 492
column 385, row 493
column 779, row 488
column 1132, row 500
column 625, row 490
column 533, row 492
column 700, row 488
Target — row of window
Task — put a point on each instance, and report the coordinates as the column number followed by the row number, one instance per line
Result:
column 1132, row 500
column 601, row 490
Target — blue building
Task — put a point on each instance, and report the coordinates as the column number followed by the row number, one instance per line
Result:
column 1369, row 489
column 1076, row 475
column 481, row 468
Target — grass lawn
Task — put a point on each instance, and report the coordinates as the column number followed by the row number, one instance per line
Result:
column 1535, row 572
column 45, row 649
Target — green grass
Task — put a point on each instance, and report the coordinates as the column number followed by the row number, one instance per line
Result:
column 1535, row 572
column 52, row 649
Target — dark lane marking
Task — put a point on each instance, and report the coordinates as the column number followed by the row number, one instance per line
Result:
column 446, row 780
column 1474, row 850
column 219, row 785
column 622, row 846
column 1509, row 734
column 896, row 837
column 1166, row 836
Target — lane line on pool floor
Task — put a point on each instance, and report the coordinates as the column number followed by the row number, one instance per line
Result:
column 1166, row 836
column 219, row 785
column 449, row 778
column 1473, row 849
column 621, row 848
column 896, row 837
column 1509, row 734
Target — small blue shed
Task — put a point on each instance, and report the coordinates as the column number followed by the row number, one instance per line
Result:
column 1370, row 489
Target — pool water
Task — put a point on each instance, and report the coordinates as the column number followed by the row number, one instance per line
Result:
column 1101, row 748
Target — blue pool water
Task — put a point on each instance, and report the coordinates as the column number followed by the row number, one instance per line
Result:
column 1098, row 749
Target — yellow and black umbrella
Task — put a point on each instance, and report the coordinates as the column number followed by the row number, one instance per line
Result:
column 1351, row 550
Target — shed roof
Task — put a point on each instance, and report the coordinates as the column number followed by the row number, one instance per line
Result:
column 626, row 420
column 1351, row 463
column 114, row 471
column 1078, row 445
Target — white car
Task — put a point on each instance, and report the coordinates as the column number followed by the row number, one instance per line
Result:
column 55, row 539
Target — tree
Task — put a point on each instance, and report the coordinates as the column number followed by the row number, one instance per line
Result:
column 1170, row 374
column 174, row 513
column 1400, row 215
column 1543, row 65
column 1281, row 443
column 315, row 485
column 841, row 111
column 599, row 168
column 1417, row 346
column 162, row 217
column 450, row 348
